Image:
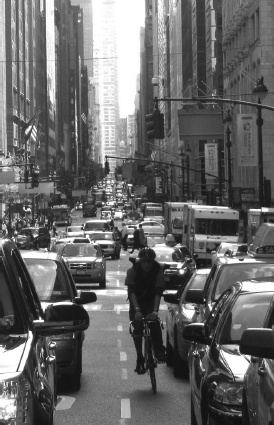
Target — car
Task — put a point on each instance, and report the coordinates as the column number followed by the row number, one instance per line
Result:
column 28, row 364
column 92, row 226
column 177, row 268
column 180, row 314
column 228, row 249
column 224, row 273
column 79, row 207
column 20, row 237
column 54, row 283
column 258, row 394
column 153, row 240
column 73, row 231
column 86, row 263
column 216, row 366
column 110, row 244
column 118, row 215
column 153, row 227
column 60, row 242
column 187, row 256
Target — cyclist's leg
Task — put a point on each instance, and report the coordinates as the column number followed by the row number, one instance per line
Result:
column 157, row 340
column 137, row 338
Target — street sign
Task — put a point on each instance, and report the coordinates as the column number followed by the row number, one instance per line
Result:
column 45, row 188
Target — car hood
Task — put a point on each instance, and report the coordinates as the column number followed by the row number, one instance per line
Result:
column 11, row 352
column 231, row 358
column 78, row 259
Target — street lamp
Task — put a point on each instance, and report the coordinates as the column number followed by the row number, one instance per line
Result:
column 188, row 152
column 261, row 89
column 228, row 121
column 182, row 155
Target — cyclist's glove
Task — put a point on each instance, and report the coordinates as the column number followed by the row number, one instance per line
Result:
column 138, row 316
column 153, row 315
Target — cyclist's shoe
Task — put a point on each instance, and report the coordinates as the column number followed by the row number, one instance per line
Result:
column 140, row 367
column 161, row 354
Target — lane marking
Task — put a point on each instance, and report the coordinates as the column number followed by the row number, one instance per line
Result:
column 65, row 403
column 124, row 374
column 125, row 408
column 119, row 327
column 93, row 307
column 123, row 356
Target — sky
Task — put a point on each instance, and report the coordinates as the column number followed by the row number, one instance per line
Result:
column 132, row 17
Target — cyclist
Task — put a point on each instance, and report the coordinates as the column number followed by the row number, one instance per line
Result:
column 145, row 282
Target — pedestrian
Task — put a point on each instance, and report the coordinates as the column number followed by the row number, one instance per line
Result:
column 143, row 240
column 136, row 240
column 124, row 236
column 54, row 229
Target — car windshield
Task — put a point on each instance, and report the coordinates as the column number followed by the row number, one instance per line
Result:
column 168, row 255
column 96, row 225
column 49, row 279
column 229, row 274
column 249, row 311
column 102, row 236
column 80, row 250
column 75, row 229
column 9, row 314
column 150, row 223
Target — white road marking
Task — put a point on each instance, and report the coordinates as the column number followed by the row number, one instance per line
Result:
column 120, row 328
column 123, row 307
column 123, row 356
column 125, row 408
column 118, row 282
column 124, row 374
column 93, row 307
column 65, row 403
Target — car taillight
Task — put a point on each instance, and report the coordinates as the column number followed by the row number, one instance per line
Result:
column 14, row 398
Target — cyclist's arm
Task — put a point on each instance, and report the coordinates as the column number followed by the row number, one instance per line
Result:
column 130, row 283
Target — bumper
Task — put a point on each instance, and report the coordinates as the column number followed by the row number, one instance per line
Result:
column 107, row 252
column 94, row 276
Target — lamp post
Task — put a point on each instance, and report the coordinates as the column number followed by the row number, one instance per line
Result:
column 261, row 89
column 182, row 155
column 188, row 152
column 228, row 121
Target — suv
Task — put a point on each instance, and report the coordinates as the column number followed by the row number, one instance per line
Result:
column 92, row 226
column 26, row 347
column 224, row 273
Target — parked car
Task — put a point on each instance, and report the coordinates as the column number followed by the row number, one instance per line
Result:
column 258, row 387
column 177, row 269
column 110, row 244
column 224, row 273
column 28, row 366
column 216, row 366
column 180, row 314
column 54, row 283
column 86, row 263
column 73, row 231
column 228, row 249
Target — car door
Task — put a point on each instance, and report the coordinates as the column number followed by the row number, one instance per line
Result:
column 199, row 354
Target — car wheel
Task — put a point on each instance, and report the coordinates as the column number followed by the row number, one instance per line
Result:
column 103, row 284
column 193, row 420
column 180, row 367
column 169, row 352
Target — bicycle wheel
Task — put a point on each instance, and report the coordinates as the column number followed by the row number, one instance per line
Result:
column 150, row 364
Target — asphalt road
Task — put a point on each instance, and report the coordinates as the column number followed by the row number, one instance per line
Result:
column 111, row 392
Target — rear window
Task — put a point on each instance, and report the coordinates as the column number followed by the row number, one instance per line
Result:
column 96, row 225
column 80, row 250
column 230, row 274
column 49, row 278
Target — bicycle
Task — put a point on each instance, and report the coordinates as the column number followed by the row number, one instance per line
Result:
column 150, row 360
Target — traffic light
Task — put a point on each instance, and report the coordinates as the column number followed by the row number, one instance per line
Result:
column 107, row 169
column 155, row 125
column 34, row 178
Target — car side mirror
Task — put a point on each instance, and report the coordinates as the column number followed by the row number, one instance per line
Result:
column 86, row 297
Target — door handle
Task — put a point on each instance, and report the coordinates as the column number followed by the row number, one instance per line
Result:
column 50, row 359
column 52, row 345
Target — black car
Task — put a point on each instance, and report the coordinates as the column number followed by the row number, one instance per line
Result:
column 28, row 365
column 54, row 283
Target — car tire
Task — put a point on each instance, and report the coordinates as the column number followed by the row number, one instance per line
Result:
column 169, row 352
column 180, row 368
column 193, row 420
column 103, row 284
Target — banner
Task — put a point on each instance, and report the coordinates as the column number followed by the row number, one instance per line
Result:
column 247, row 140
column 211, row 159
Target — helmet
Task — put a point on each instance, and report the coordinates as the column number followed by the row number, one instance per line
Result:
column 147, row 254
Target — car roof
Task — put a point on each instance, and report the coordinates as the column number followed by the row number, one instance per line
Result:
column 264, row 284
column 243, row 259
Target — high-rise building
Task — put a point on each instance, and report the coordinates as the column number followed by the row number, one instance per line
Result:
column 106, row 73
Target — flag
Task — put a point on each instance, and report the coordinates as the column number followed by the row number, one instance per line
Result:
column 153, row 155
column 28, row 128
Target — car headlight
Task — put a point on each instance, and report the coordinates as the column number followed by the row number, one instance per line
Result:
column 14, row 394
column 228, row 393
column 98, row 265
column 182, row 271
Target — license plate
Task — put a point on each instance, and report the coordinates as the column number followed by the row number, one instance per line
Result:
column 81, row 272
